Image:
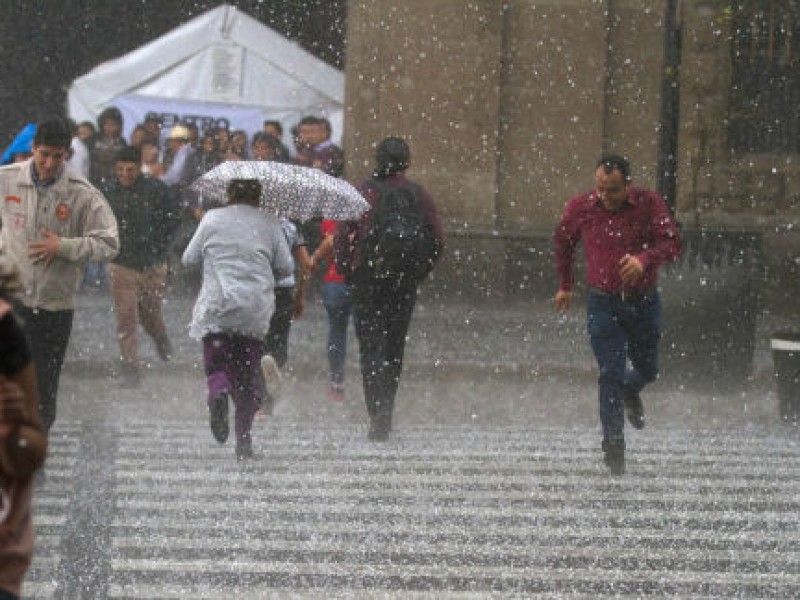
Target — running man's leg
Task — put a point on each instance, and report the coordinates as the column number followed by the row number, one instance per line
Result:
column 608, row 343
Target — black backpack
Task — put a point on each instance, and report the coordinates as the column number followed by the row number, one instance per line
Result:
column 400, row 243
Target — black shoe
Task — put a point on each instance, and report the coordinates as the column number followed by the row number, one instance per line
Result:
column 244, row 451
column 634, row 408
column 614, row 457
column 218, row 417
column 164, row 349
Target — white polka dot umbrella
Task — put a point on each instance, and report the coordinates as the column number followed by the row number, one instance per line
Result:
column 300, row 193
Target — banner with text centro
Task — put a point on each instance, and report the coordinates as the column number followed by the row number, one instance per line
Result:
column 206, row 115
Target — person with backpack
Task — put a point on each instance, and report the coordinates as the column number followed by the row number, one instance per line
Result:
column 385, row 256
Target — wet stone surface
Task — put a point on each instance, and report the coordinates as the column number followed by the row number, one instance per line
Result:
column 491, row 483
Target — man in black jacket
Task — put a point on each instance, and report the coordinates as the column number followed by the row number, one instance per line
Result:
column 148, row 214
column 384, row 297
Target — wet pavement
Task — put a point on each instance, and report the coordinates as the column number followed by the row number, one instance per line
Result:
column 491, row 484
column 459, row 351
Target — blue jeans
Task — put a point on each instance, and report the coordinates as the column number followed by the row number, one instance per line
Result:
column 339, row 304
column 620, row 331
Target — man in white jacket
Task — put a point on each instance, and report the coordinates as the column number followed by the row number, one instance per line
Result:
column 242, row 250
column 52, row 221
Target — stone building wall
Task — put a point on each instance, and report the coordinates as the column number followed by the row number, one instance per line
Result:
column 758, row 191
column 508, row 103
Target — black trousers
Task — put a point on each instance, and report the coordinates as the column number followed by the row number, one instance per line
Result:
column 48, row 332
column 383, row 312
column 277, row 342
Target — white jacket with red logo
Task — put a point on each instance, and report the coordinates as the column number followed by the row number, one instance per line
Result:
column 75, row 211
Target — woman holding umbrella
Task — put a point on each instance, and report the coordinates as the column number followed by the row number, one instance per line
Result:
column 242, row 250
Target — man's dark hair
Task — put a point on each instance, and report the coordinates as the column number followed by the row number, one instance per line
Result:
column 244, row 191
column 131, row 154
column 276, row 124
column 309, row 120
column 615, row 162
column 326, row 124
column 53, row 132
column 392, row 156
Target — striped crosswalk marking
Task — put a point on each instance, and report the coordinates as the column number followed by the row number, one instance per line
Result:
column 437, row 511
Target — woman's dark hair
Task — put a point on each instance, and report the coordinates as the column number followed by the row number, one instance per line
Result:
column 244, row 191
column 276, row 124
column 53, row 132
column 268, row 139
column 392, row 156
column 111, row 113
column 273, row 142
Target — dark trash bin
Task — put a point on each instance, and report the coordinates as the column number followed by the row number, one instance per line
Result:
column 711, row 303
column 786, row 360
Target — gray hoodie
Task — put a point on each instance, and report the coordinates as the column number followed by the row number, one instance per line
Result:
column 243, row 250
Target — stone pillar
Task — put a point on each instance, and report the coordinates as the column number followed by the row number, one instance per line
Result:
column 633, row 89
column 551, row 127
column 430, row 72
column 551, row 108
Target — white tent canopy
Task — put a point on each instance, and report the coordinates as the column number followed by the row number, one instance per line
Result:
column 221, row 64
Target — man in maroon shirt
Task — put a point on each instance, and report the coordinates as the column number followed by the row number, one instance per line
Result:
column 627, row 233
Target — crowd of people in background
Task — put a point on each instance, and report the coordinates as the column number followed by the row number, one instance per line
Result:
column 151, row 214
column 189, row 152
column 157, row 164
column 81, row 202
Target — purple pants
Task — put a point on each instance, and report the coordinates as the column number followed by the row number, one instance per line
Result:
column 232, row 364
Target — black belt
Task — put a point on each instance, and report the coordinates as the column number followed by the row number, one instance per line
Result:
column 626, row 296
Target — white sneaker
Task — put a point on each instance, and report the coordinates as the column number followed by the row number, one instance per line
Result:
column 273, row 380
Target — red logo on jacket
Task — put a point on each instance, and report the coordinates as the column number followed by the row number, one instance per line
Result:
column 62, row 212
column 16, row 199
